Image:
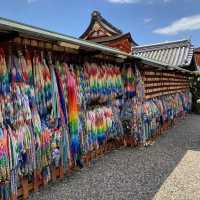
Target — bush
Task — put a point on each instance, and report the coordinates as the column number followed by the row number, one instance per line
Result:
column 197, row 108
column 195, row 90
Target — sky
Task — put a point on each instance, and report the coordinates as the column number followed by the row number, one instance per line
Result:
column 149, row 21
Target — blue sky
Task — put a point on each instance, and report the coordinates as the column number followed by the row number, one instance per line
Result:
column 149, row 21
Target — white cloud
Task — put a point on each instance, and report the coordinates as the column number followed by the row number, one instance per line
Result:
column 147, row 20
column 124, row 1
column 184, row 24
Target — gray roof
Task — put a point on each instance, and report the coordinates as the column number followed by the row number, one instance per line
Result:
column 175, row 54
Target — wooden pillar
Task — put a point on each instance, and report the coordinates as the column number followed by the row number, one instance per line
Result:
column 35, row 181
column 25, row 187
column 13, row 197
column 53, row 173
column 61, row 168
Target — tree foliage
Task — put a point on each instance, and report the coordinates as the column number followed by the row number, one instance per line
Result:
column 195, row 90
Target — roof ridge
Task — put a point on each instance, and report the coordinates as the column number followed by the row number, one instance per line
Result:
column 163, row 43
column 97, row 15
column 107, row 39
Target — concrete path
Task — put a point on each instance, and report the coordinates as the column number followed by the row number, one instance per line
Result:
column 170, row 169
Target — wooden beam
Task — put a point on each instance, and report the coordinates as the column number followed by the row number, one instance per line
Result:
column 5, row 37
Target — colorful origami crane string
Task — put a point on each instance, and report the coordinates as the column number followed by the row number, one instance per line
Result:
column 129, row 81
column 4, row 164
column 43, row 86
column 61, row 74
column 98, row 123
column 4, row 74
column 4, row 155
column 104, row 80
column 73, row 113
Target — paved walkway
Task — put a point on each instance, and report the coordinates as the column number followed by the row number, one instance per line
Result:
column 170, row 169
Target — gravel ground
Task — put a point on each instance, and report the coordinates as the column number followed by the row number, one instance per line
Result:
column 170, row 169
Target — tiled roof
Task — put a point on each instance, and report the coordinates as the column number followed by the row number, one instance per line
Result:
column 197, row 50
column 112, row 38
column 96, row 16
column 197, row 59
column 177, row 53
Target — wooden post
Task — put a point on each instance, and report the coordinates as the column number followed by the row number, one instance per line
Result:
column 93, row 155
column 108, row 146
column 129, row 142
column 101, row 150
column 104, row 147
column 121, row 141
column 35, row 181
column 45, row 180
column 70, row 168
column 39, row 179
column 13, row 197
column 159, row 131
column 84, row 158
column 53, row 173
column 88, row 158
column 25, row 187
column 61, row 172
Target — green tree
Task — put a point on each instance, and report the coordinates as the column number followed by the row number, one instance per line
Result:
column 195, row 90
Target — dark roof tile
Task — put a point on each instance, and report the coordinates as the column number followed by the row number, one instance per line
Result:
column 177, row 53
